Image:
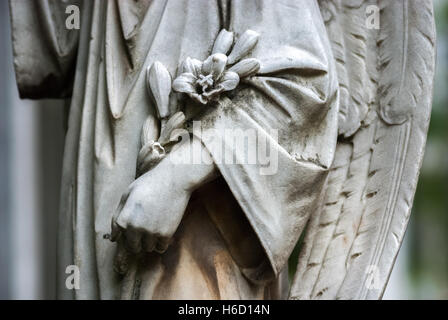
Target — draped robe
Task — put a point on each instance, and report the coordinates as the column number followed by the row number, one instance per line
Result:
column 238, row 231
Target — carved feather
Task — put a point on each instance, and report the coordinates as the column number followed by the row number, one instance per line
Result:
column 406, row 50
column 355, row 36
column 351, row 244
column 345, row 23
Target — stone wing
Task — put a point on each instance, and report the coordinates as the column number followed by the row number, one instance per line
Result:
column 385, row 78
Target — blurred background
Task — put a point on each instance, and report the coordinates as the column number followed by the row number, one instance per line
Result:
column 31, row 147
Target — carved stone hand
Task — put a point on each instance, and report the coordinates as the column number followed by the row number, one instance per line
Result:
column 151, row 210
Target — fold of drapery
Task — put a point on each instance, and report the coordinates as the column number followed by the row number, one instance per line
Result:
column 44, row 48
column 291, row 109
column 294, row 93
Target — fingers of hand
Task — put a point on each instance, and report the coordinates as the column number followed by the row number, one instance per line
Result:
column 122, row 256
column 128, row 224
column 149, row 243
column 162, row 244
column 133, row 239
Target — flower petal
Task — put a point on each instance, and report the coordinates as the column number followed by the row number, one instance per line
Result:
column 223, row 42
column 198, row 97
column 245, row 43
column 246, row 67
column 214, row 94
column 159, row 84
column 185, row 83
column 193, row 66
column 229, row 81
column 214, row 65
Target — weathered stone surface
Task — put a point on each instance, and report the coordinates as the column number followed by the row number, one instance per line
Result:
column 342, row 109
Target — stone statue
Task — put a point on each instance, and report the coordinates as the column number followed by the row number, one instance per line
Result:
column 206, row 137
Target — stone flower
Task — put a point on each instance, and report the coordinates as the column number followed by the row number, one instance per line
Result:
column 155, row 142
column 149, row 156
column 205, row 81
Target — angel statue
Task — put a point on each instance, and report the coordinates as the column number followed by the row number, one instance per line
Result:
column 208, row 139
